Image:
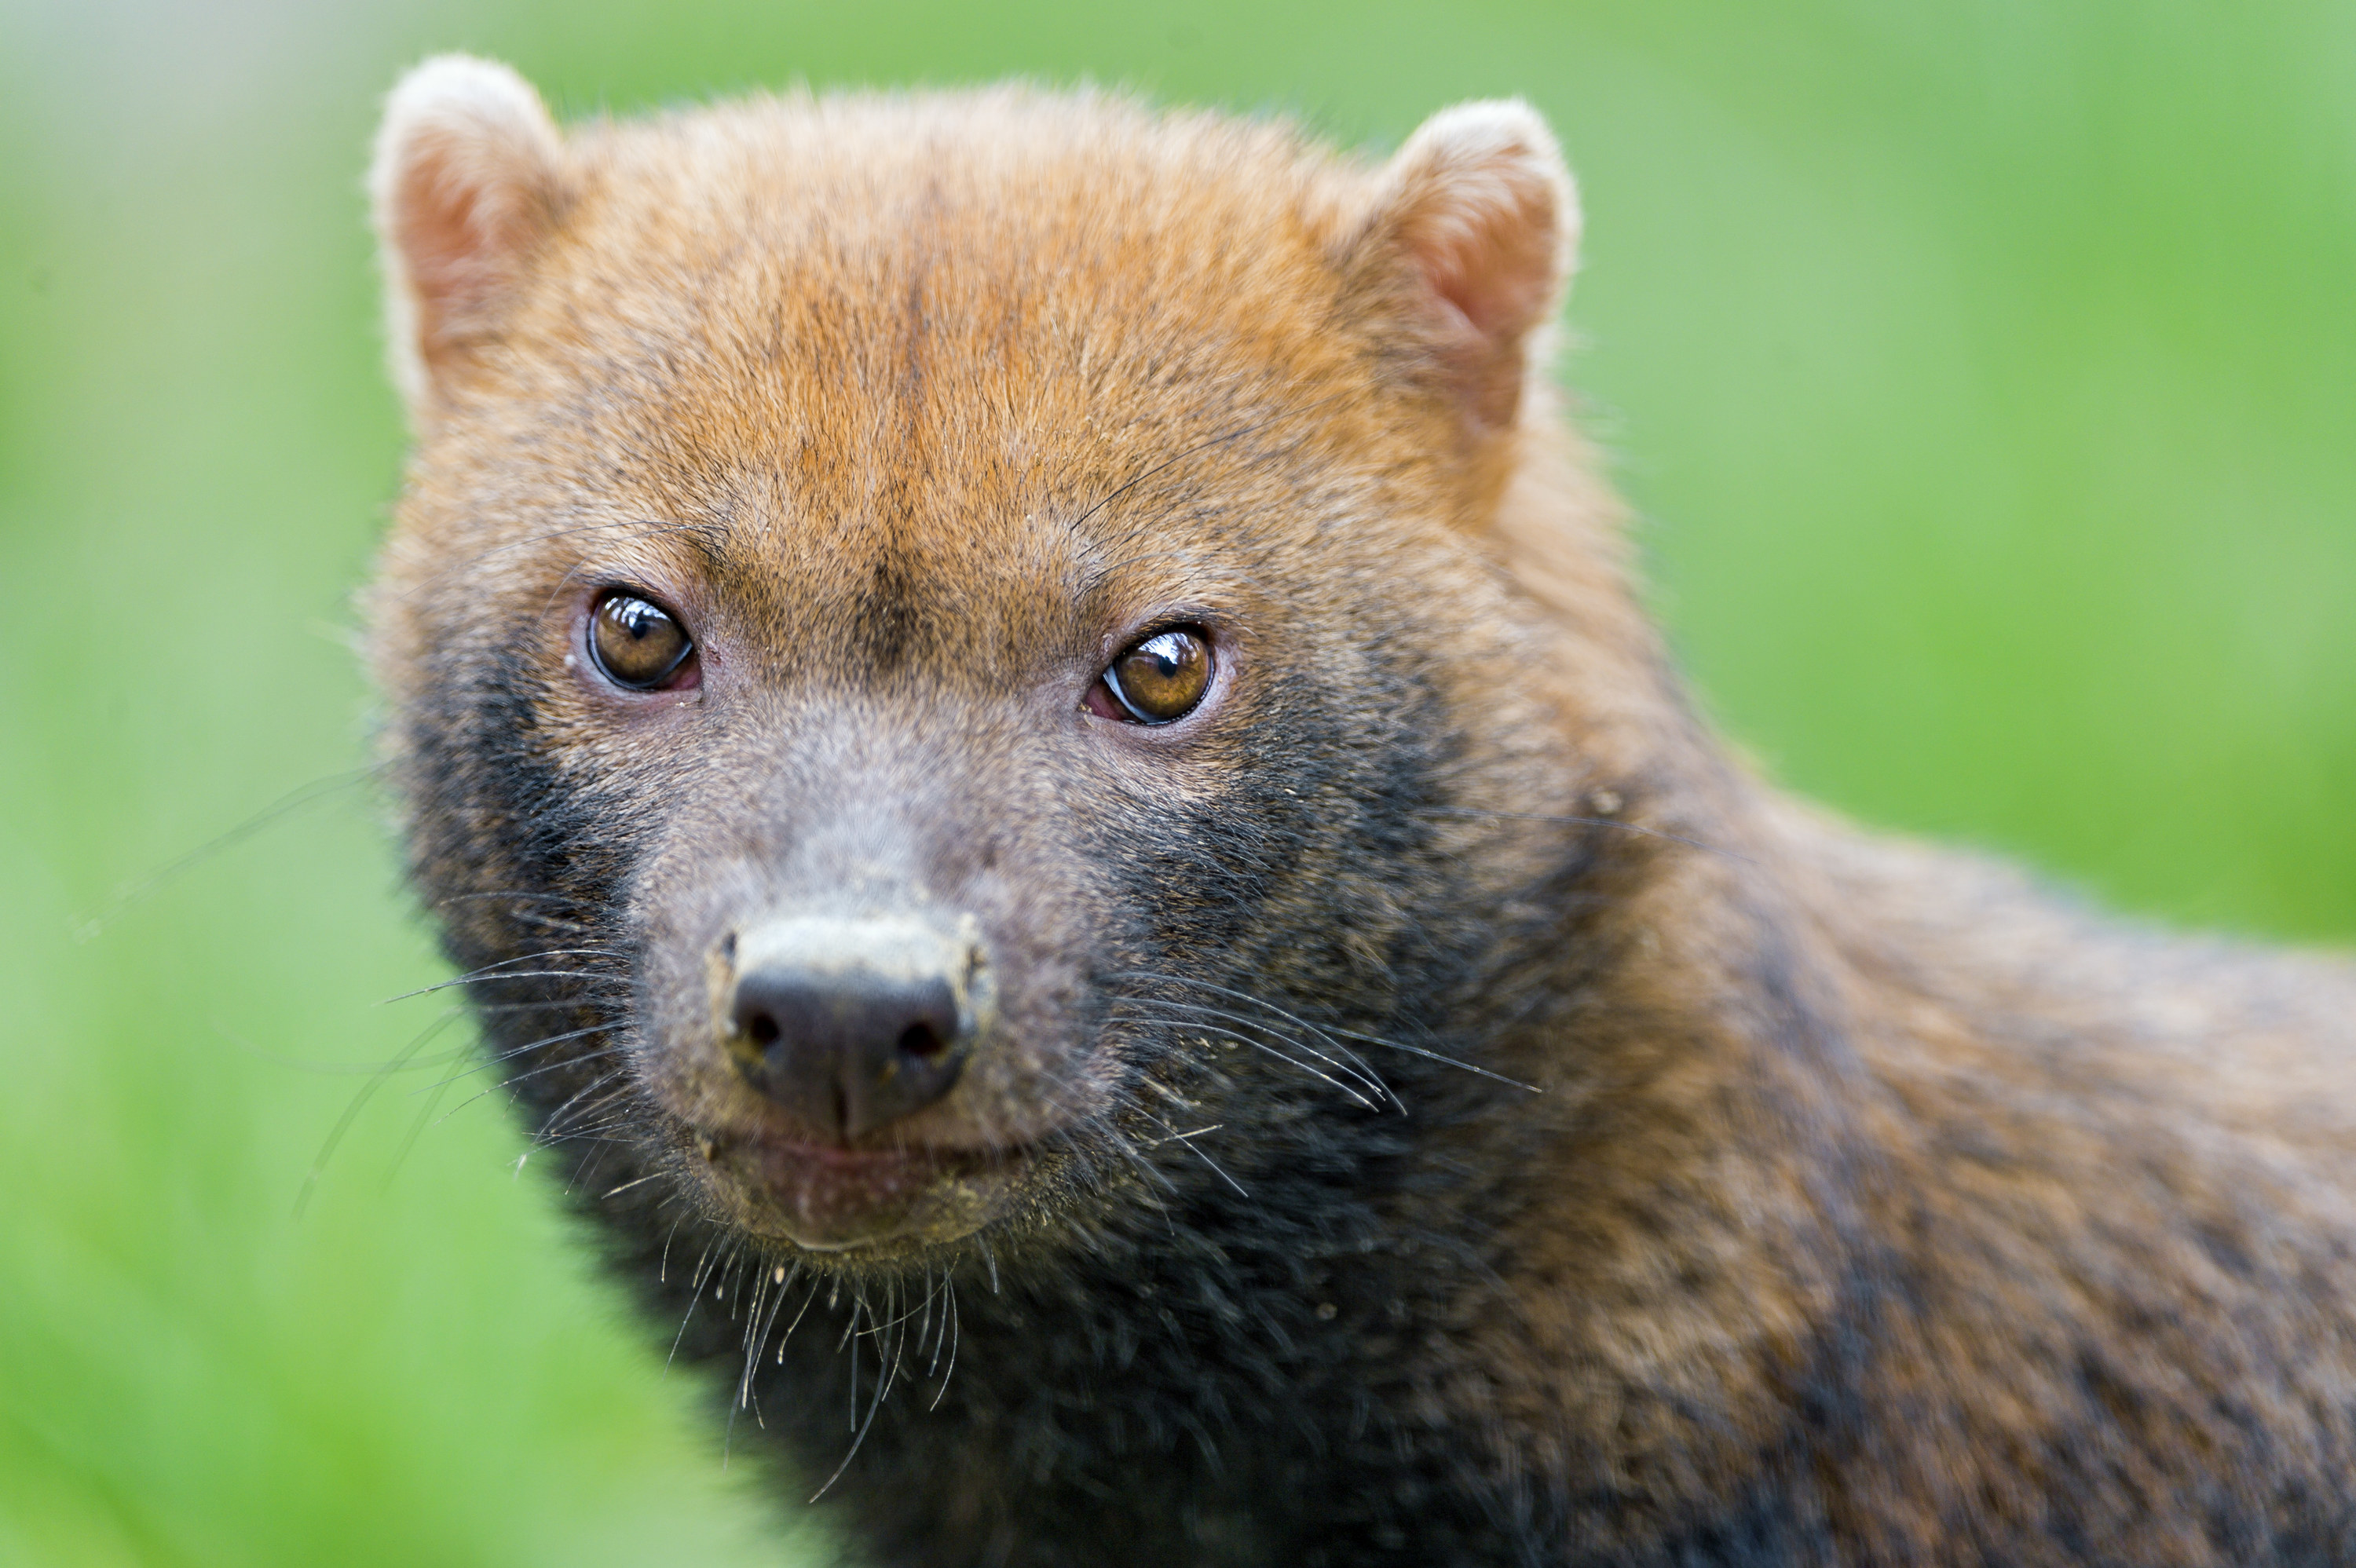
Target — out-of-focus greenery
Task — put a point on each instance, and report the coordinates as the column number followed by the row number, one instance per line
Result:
column 1985, row 374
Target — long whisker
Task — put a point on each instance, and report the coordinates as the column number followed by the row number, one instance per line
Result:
column 1184, row 1140
column 511, row 1052
column 874, row 1404
column 552, row 1128
column 1345, row 1060
column 1246, row 997
column 514, row 895
column 808, row 1296
column 694, row 1299
column 358, row 1102
column 568, row 1062
column 91, row 926
column 338, row 1069
column 418, row 1123
column 1261, row 1046
column 521, row 1077
column 511, row 975
column 953, row 1325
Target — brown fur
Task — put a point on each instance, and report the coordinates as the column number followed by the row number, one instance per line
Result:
column 1873, row 1206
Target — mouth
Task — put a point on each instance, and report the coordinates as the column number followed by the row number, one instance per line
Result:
column 828, row 1198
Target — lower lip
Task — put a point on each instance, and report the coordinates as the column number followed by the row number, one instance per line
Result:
column 826, row 1199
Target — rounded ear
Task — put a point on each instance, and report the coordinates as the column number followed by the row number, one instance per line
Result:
column 1476, row 219
column 468, row 179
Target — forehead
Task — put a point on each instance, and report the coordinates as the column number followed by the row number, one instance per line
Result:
column 964, row 334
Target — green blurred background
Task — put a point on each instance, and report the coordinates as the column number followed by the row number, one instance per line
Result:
column 1985, row 376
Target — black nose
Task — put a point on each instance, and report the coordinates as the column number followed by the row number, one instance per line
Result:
column 846, row 1048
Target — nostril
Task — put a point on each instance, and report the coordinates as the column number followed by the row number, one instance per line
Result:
column 922, row 1039
column 762, row 1030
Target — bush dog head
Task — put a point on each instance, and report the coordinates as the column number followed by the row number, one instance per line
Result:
column 972, row 629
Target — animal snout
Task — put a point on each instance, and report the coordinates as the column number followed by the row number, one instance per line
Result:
column 849, row 1024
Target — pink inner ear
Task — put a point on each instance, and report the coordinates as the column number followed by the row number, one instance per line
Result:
column 1457, row 300
column 1490, row 275
column 461, row 229
column 1492, row 267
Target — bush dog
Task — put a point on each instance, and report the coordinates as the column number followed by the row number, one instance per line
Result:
column 1034, row 743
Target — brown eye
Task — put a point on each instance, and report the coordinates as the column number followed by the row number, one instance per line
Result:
column 636, row 643
column 1162, row 677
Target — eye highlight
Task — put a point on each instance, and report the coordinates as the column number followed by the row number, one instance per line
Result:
column 1157, row 680
column 636, row 643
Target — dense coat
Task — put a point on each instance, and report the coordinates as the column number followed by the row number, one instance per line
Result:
column 1428, row 1103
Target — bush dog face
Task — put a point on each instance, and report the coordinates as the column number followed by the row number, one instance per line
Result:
column 1035, row 748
